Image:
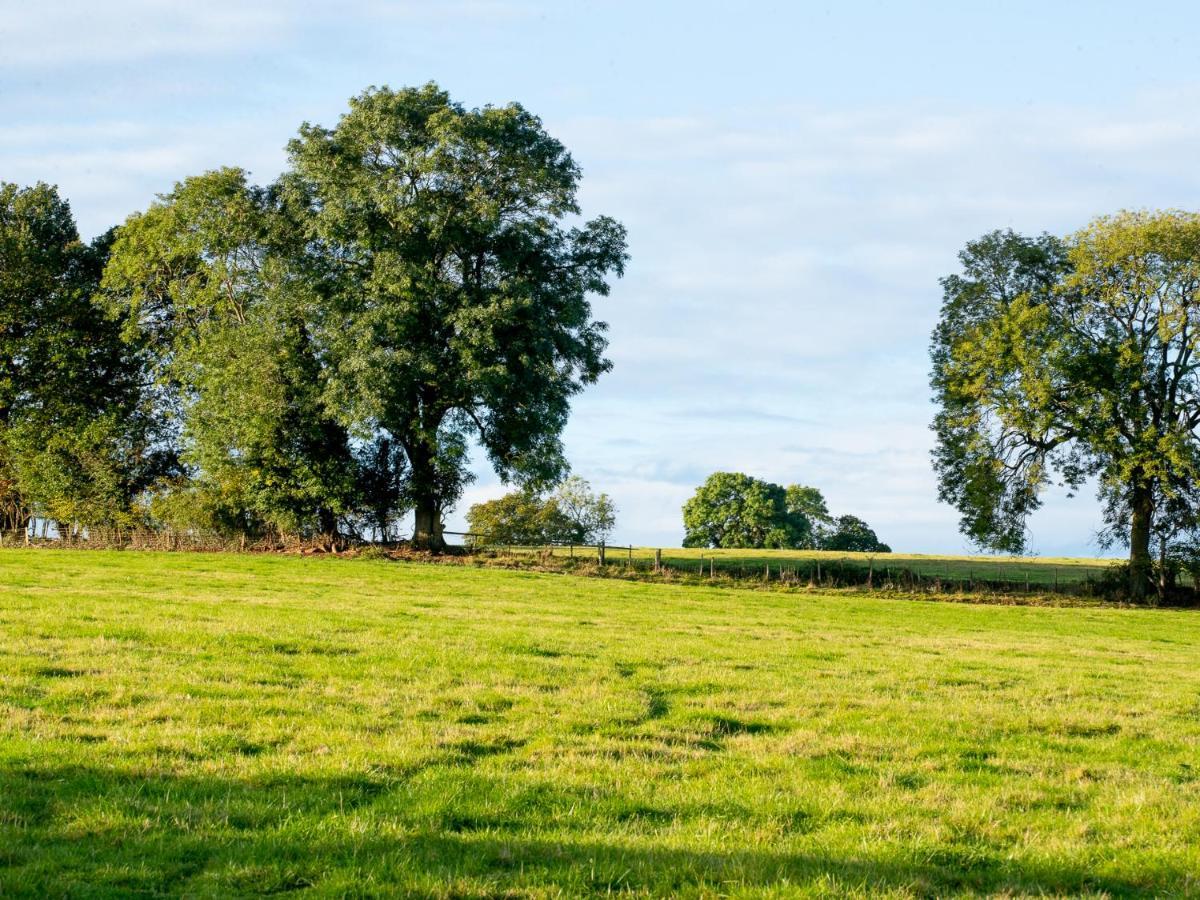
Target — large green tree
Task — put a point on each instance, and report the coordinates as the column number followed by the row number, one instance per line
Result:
column 456, row 286
column 1070, row 360
column 77, row 442
column 734, row 510
column 211, row 280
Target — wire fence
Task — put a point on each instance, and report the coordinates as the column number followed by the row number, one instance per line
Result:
column 939, row 575
column 883, row 572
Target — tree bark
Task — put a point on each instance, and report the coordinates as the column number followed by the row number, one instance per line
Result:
column 1140, row 563
column 327, row 525
column 427, row 530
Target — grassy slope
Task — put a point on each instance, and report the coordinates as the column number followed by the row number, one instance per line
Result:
column 215, row 725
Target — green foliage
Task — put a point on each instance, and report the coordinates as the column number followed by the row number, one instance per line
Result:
column 316, row 354
column 571, row 514
column 1070, row 360
column 809, row 515
column 735, row 510
column 77, row 442
column 456, row 297
column 519, row 517
column 852, row 534
column 381, row 486
column 589, row 517
column 208, row 277
column 732, row 510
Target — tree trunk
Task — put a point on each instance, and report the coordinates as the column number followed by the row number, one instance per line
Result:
column 423, row 487
column 1140, row 563
column 427, row 530
column 327, row 525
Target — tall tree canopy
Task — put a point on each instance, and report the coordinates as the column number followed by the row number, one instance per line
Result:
column 326, row 348
column 456, row 294
column 1074, row 359
column 210, row 278
column 77, row 443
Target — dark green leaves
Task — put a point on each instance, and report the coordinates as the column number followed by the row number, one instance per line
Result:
column 457, row 299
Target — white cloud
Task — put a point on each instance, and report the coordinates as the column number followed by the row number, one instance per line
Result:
column 75, row 33
column 788, row 263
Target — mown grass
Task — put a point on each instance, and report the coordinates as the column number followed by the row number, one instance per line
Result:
column 208, row 725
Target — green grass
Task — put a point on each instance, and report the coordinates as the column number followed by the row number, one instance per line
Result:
column 210, row 725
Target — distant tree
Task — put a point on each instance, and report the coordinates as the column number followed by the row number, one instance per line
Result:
column 457, row 296
column 1072, row 360
column 852, row 534
column 77, row 445
column 590, row 517
column 809, row 515
column 519, row 517
column 734, row 510
column 572, row 513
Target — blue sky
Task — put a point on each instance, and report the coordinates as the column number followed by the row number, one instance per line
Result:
column 795, row 177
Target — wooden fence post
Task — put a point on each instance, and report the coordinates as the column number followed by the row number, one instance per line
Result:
column 658, row 560
column 600, row 552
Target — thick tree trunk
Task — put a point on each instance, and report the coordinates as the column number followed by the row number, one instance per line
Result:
column 427, row 507
column 1140, row 562
column 427, row 530
column 327, row 525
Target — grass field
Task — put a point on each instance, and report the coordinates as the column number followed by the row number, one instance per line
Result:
column 207, row 725
column 1043, row 571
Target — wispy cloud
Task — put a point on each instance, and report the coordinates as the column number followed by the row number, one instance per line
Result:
column 72, row 33
column 783, row 285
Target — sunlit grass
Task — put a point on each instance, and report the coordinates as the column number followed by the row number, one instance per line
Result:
column 211, row 725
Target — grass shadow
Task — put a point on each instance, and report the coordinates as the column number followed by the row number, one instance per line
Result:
column 67, row 830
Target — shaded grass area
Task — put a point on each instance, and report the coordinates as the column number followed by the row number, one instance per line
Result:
column 212, row 725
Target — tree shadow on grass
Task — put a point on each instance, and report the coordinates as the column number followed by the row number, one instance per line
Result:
column 78, row 830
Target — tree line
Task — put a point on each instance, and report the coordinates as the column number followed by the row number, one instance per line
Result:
column 311, row 357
